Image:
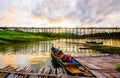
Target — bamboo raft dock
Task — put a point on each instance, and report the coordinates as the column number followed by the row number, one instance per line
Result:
column 26, row 72
column 101, row 66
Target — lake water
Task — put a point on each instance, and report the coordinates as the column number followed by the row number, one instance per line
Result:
column 37, row 54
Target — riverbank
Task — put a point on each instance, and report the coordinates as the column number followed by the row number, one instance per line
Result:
column 105, row 49
column 104, row 35
column 7, row 36
column 19, row 36
column 58, row 35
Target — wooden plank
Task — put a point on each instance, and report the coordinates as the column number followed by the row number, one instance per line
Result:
column 64, row 75
column 53, row 71
column 102, row 66
column 97, row 74
column 115, row 75
column 56, row 71
column 96, row 63
column 47, row 70
column 41, row 71
column 21, row 69
column 88, row 64
column 60, row 71
column 5, row 67
column 79, row 77
column 107, row 75
column 28, row 70
column 26, row 73
column 3, row 75
column 24, row 69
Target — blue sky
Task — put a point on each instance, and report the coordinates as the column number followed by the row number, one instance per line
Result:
column 54, row 13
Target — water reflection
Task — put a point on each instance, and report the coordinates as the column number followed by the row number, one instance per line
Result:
column 75, row 47
column 111, row 42
column 37, row 54
column 34, row 54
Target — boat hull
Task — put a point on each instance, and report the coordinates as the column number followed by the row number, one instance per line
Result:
column 69, row 68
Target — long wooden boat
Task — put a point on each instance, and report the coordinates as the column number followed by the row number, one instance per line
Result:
column 94, row 42
column 73, row 69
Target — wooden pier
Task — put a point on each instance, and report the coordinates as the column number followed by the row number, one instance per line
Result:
column 101, row 66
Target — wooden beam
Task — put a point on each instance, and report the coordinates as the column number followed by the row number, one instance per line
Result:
column 26, row 73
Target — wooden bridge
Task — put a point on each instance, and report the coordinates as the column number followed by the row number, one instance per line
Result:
column 79, row 31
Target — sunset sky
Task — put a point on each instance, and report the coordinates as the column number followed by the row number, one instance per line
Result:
column 57, row 13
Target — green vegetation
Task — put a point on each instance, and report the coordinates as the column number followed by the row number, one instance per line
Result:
column 117, row 67
column 7, row 36
column 2, row 41
column 57, row 35
column 18, row 36
column 105, row 35
column 105, row 49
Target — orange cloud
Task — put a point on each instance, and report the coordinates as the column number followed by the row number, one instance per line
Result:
column 10, row 16
column 40, row 16
column 35, row 18
column 111, row 18
column 12, row 11
column 55, row 21
column 8, row 20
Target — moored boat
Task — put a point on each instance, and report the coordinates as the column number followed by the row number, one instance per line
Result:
column 94, row 42
column 71, row 68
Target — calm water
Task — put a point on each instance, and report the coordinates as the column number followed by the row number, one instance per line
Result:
column 37, row 54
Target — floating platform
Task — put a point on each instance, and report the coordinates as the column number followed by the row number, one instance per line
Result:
column 101, row 66
column 26, row 72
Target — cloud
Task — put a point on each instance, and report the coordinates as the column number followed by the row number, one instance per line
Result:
column 60, row 11
column 8, row 20
column 84, row 11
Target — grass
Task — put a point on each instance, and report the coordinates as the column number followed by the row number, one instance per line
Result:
column 117, row 67
column 7, row 36
column 2, row 41
column 58, row 35
column 18, row 36
column 105, row 49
